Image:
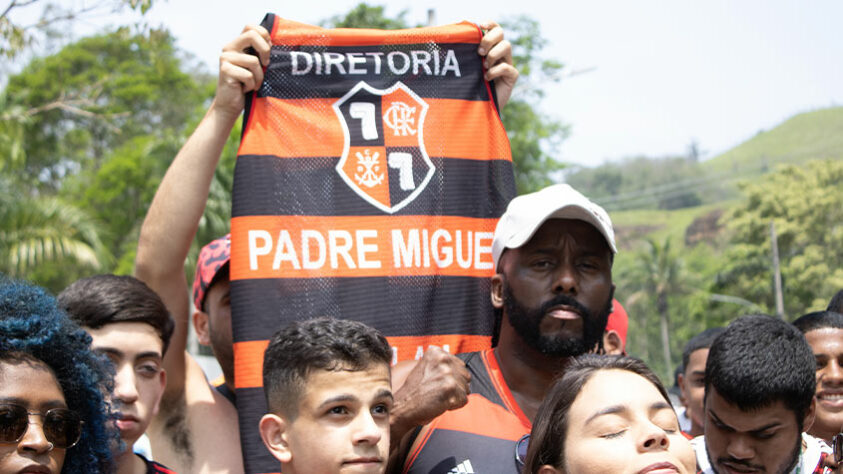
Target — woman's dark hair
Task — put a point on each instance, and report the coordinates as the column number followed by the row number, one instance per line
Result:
column 33, row 327
column 547, row 440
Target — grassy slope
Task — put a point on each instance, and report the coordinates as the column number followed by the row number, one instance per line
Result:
column 810, row 135
column 806, row 136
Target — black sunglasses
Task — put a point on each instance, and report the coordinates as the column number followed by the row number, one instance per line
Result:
column 62, row 427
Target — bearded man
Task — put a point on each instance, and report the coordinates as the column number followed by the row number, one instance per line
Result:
column 553, row 251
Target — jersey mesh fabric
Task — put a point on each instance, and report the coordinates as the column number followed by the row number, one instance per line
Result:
column 422, row 181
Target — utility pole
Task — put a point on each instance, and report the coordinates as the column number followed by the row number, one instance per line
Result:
column 777, row 274
column 431, row 17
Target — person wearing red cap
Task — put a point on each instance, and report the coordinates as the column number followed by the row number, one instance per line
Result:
column 197, row 428
column 614, row 337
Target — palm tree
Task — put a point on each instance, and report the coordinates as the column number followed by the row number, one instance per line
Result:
column 660, row 275
column 34, row 231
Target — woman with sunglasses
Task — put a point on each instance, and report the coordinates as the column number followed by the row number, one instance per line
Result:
column 607, row 415
column 53, row 414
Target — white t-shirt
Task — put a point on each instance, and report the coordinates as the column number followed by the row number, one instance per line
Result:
column 684, row 421
column 808, row 461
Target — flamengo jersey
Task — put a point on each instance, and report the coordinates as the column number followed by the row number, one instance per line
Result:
column 481, row 436
column 371, row 173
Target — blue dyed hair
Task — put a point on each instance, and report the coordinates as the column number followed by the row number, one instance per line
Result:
column 31, row 325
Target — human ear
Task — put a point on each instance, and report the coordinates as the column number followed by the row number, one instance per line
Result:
column 548, row 469
column 496, row 292
column 612, row 343
column 201, row 326
column 683, row 397
column 274, row 436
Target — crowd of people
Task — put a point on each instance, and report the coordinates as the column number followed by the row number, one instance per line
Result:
column 84, row 375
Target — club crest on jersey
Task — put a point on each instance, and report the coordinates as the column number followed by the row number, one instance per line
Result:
column 383, row 159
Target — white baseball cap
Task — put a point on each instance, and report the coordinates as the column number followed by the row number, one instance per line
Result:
column 526, row 213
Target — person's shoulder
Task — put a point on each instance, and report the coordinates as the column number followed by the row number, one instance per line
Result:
column 703, row 466
column 814, row 455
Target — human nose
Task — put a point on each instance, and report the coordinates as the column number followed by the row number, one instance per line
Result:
column 367, row 430
column 565, row 280
column 833, row 374
column 125, row 389
column 34, row 440
column 654, row 438
column 738, row 448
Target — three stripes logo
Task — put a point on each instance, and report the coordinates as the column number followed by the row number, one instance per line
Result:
column 384, row 160
column 463, row 468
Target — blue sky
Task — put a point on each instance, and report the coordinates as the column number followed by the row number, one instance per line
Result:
column 665, row 73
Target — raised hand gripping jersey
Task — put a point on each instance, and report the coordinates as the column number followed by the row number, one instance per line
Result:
column 371, row 173
column 477, row 438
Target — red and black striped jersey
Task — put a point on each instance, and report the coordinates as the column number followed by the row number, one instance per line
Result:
column 372, row 169
column 482, row 435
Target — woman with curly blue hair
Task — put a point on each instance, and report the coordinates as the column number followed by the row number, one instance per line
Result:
column 53, row 389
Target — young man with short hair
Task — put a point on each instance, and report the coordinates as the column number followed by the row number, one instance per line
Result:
column 759, row 398
column 824, row 332
column 328, row 391
column 130, row 325
column 691, row 380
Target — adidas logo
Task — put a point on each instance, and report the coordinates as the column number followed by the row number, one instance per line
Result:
column 463, row 468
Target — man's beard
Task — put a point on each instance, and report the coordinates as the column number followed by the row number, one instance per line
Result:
column 791, row 463
column 527, row 324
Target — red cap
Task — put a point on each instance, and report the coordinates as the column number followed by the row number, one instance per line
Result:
column 212, row 257
column 618, row 321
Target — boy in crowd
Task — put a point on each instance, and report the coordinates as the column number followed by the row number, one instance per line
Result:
column 328, row 391
column 130, row 325
column 824, row 332
column 759, row 398
column 691, row 380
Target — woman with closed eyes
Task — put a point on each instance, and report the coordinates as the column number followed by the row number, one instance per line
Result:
column 607, row 415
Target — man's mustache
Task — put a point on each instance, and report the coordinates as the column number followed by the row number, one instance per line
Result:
column 739, row 463
column 565, row 300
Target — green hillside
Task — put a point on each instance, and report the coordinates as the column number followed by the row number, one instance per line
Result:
column 807, row 136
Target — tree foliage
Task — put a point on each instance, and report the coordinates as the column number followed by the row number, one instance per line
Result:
column 807, row 207
column 534, row 136
column 653, row 281
column 93, row 128
column 368, row 16
column 16, row 37
column 643, row 183
column 97, row 94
